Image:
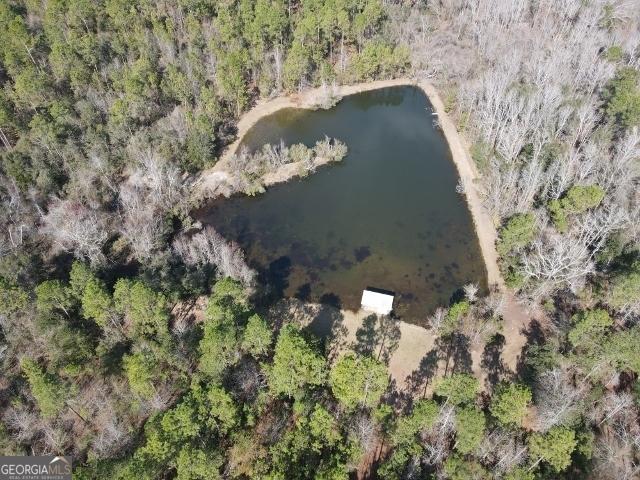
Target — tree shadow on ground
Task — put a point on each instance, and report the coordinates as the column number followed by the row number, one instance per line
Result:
column 458, row 353
column 492, row 363
column 328, row 325
column 378, row 337
column 417, row 382
column 536, row 337
column 367, row 336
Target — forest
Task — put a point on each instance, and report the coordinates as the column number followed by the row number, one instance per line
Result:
column 138, row 342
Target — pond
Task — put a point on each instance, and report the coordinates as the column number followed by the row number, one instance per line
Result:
column 388, row 216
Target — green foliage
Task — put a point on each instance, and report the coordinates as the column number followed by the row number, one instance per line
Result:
column 297, row 65
column 197, row 464
column 519, row 473
column 588, row 326
column 140, row 369
column 322, row 429
column 518, row 232
column 145, row 309
column 82, row 82
column 50, row 395
column 470, row 425
column 451, row 321
column 200, row 144
column 510, row 403
column 228, row 298
column 79, row 276
column 422, row 417
column 614, row 54
column 18, row 166
column 96, row 302
column 176, row 85
column 543, row 357
column 613, row 247
column 70, row 350
column 314, row 448
column 295, row 364
column 580, row 198
column 90, row 92
column 223, row 413
column 394, row 466
column 378, row 59
column 622, row 97
column 585, row 440
column 513, row 278
column 226, row 309
column 52, row 295
column 181, row 437
column 554, row 447
column 358, row 381
column 481, row 154
column 459, row 388
column 180, row 424
column 13, row 299
column 624, row 289
column 232, row 82
column 620, row 350
column 257, row 336
column 458, row 468
column 577, row 199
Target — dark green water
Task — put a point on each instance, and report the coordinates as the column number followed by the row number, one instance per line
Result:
column 388, row 216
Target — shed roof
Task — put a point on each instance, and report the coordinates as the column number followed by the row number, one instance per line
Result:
column 377, row 301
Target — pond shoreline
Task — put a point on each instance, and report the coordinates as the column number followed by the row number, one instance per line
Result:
column 210, row 179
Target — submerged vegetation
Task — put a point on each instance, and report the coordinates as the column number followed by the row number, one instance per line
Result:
column 134, row 341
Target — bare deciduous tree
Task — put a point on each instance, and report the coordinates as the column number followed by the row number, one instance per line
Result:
column 566, row 259
column 437, row 439
column 208, row 247
column 503, row 450
column 74, row 227
column 152, row 190
column 558, row 400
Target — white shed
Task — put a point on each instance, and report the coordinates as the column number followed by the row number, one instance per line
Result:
column 377, row 301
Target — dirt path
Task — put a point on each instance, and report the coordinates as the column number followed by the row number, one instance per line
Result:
column 470, row 178
column 415, row 343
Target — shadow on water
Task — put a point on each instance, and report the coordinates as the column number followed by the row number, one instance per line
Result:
column 276, row 277
column 457, row 296
column 362, row 253
column 303, row 292
column 332, row 300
